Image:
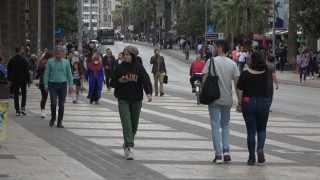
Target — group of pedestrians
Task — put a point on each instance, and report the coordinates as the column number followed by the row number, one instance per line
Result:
column 309, row 63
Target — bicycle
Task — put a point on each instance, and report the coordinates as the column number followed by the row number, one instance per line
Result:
column 198, row 91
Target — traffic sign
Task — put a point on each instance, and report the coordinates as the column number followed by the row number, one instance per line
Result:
column 214, row 36
column 210, row 29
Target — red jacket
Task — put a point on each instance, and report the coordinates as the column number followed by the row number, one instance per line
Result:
column 197, row 67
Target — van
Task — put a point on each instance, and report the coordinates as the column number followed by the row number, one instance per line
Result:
column 118, row 35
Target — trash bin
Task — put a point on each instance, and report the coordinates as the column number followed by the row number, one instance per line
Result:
column 4, row 118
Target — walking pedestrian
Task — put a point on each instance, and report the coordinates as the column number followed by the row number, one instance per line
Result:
column 303, row 62
column 19, row 77
column 77, row 75
column 273, row 76
column 187, row 51
column 56, row 78
column 94, row 76
column 219, row 110
column 242, row 56
column 158, row 71
column 129, row 80
column 3, row 69
column 108, row 62
column 40, row 74
column 254, row 103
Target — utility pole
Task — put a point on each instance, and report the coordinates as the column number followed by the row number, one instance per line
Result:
column 90, row 23
column 39, row 28
column 80, row 34
column 54, row 24
column 273, row 29
column 205, row 23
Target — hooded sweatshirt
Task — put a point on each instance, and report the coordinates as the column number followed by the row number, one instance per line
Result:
column 139, row 81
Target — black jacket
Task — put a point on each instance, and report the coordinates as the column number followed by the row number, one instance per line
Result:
column 132, row 90
column 153, row 60
column 18, row 69
column 110, row 62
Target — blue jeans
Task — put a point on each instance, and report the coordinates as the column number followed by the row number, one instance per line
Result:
column 256, row 113
column 219, row 118
column 57, row 90
column 241, row 66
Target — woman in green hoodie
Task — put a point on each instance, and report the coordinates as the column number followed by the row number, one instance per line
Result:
column 129, row 80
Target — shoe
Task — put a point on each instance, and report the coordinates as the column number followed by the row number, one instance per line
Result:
column 308, row 78
column 226, row 155
column 43, row 113
column 193, row 90
column 260, row 154
column 312, row 78
column 161, row 94
column 18, row 113
column 52, row 122
column 218, row 160
column 60, row 125
column 74, row 101
column 251, row 161
column 91, row 101
column 23, row 111
column 96, row 102
column 156, row 94
column 128, row 153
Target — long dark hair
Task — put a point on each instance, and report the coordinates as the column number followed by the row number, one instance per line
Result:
column 258, row 62
column 80, row 71
column 45, row 59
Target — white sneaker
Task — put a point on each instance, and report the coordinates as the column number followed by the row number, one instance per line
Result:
column 308, row 78
column 43, row 113
column 312, row 78
column 128, row 153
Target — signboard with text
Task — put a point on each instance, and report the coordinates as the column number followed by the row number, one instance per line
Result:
column 214, row 36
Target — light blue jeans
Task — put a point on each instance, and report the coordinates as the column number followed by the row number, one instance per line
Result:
column 219, row 118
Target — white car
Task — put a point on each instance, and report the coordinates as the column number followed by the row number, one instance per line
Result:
column 94, row 41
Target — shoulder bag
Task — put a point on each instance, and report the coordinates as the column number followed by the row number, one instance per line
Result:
column 210, row 90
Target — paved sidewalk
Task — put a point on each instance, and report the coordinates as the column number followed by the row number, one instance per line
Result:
column 286, row 77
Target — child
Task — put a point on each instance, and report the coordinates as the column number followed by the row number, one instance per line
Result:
column 77, row 76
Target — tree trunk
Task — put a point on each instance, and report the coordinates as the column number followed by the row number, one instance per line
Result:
column 312, row 43
column 34, row 25
column 155, row 22
column 47, row 24
column 5, row 45
column 292, row 34
column 167, row 5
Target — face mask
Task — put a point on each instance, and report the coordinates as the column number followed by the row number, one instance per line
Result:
column 95, row 62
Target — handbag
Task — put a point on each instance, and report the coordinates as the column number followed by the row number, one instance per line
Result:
column 210, row 90
column 165, row 79
column 4, row 87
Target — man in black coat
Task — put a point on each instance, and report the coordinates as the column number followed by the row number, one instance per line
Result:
column 19, row 77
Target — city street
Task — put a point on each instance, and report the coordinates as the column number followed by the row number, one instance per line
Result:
column 173, row 139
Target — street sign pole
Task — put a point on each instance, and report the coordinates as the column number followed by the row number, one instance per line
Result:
column 205, row 28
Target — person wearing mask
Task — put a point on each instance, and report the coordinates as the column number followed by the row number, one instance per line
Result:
column 196, row 72
column 158, row 71
column 108, row 63
column 56, row 78
column 254, row 103
column 219, row 110
column 94, row 76
column 40, row 73
column 129, row 80
column 19, row 77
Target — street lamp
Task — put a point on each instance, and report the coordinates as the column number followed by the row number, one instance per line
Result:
column 80, row 33
column 205, row 23
column 39, row 28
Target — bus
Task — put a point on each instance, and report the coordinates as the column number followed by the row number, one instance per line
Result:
column 105, row 35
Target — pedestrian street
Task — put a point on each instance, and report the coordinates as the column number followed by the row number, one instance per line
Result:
column 174, row 140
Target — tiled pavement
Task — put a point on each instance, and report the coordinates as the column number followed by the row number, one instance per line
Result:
column 173, row 142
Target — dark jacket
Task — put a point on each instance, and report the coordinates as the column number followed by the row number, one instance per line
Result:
column 155, row 67
column 18, row 69
column 132, row 90
column 109, row 61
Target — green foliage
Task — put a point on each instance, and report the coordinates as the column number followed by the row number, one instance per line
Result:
column 190, row 21
column 241, row 18
column 308, row 16
column 66, row 15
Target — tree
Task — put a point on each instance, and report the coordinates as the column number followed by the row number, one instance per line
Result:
column 307, row 17
column 190, row 21
column 241, row 18
column 66, row 15
column 292, row 34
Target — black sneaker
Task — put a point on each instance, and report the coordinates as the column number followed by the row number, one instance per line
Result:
column 52, row 122
column 161, row 94
column 18, row 113
column 251, row 161
column 226, row 155
column 261, row 158
column 218, row 160
column 23, row 111
column 193, row 90
column 60, row 126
